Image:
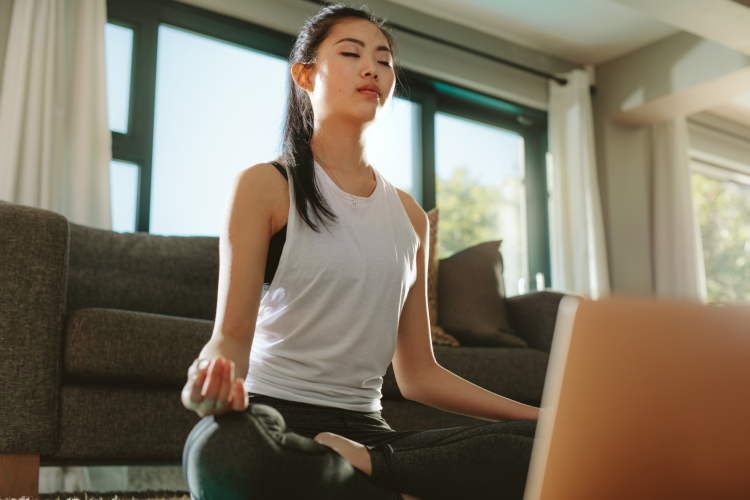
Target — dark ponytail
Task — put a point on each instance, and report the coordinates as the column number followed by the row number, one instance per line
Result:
column 297, row 154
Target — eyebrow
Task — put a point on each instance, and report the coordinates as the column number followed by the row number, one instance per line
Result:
column 361, row 43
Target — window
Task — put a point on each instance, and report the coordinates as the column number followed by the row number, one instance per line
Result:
column 480, row 191
column 491, row 180
column 194, row 97
column 123, row 183
column 722, row 202
column 118, row 43
column 219, row 109
column 392, row 146
column 118, row 46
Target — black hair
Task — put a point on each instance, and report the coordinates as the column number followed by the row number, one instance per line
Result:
column 297, row 154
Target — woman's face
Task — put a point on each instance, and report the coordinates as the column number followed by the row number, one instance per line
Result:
column 354, row 55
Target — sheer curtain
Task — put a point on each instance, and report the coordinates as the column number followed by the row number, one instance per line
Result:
column 579, row 257
column 55, row 145
column 679, row 271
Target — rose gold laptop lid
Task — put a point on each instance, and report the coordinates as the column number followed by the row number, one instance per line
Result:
column 648, row 400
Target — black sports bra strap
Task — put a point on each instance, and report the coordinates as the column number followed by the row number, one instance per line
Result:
column 280, row 169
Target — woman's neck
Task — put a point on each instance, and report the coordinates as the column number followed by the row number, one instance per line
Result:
column 341, row 146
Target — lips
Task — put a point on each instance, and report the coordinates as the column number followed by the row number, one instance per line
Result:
column 370, row 89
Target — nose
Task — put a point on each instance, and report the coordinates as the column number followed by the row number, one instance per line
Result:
column 370, row 70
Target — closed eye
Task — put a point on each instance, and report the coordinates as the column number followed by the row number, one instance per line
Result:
column 348, row 54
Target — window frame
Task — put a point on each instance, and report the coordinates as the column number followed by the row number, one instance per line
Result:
column 432, row 95
column 719, row 172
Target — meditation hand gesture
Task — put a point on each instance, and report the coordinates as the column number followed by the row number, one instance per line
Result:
column 211, row 388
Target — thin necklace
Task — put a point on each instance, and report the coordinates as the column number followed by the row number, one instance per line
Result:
column 354, row 200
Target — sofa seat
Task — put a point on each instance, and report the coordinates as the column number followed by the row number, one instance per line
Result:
column 121, row 425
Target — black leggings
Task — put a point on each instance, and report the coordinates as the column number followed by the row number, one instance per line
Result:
column 267, row 452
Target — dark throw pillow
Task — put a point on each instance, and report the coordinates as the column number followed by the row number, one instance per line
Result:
column 471, row 298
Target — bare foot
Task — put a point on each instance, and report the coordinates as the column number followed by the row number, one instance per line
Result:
column 354, row 452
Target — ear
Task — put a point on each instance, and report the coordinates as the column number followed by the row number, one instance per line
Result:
column 302, row 74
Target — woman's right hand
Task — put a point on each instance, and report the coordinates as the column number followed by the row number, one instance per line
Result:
column 211, row 388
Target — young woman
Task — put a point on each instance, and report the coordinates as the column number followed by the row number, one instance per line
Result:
column 298, row 415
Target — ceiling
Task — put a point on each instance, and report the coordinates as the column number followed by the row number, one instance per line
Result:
column 579, row 31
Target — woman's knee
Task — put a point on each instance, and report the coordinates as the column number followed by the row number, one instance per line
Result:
column 224, row 454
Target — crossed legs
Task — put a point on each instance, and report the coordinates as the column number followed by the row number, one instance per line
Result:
column 483, row 461
column 254, row 455
column 251, row 455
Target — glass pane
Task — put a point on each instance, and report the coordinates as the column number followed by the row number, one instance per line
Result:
column 723, row 210
column 219, row 110
column 391, row 144
column 118, row 48
column 480, row 191
column 123, row 189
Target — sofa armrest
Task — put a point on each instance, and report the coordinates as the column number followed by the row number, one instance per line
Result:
column 33, row 273
column 533, row 317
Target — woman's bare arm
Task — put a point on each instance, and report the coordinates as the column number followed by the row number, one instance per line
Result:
column 419, row 376
column 258, row 195
column 247, row 229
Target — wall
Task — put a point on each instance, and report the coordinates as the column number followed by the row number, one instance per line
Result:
column 675, row 76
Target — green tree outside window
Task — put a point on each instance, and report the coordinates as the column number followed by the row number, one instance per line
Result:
column 723, row 209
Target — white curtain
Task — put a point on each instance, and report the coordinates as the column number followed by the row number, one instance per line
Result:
column 579, row 257
column 55, row 145
column 679, row 271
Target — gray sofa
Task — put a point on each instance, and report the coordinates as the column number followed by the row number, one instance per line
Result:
column 98, row 329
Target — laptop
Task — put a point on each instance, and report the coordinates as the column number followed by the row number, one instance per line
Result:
column 645, row 399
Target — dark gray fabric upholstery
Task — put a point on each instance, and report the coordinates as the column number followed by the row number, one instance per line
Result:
column 33, row 263
column 533, row 316
column 126, row 347
column 517, row 374
column 123, row 423
column 173, row 275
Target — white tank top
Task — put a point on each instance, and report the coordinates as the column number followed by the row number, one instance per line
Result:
column 327, row 326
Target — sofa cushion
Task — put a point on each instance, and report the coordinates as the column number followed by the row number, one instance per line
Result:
column 471, row 298
column 517, row 374
column 110, row 345
column 173, row 275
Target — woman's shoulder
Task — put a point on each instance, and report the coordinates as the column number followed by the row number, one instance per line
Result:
column 265, row 190
column 261, row 179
